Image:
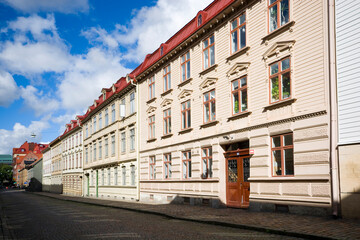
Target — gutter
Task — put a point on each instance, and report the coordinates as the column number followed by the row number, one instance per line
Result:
column 334, row 161
column 137, row 136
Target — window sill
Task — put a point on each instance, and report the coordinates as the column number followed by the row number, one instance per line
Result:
column 209, row 124
column 186, row 130
column 166, row 92
column 239, row 115
column 290, row 178
column 238, row 53
column 151, row 140
column 279, row 104
column 151, row 100
column 129, row 116
column 184, row 82
column 209, row 69
column 166, row 136
column 278, row 31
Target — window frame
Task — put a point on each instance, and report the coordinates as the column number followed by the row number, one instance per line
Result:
column 167, row 121
column 167, row 78
column 204, row 49
column 100, row 149
column 94, row 125
column 237, row 29
column 152, row 166
column 186, row 65
column 123, row 142
column 100, row 121
column 209, row 102
column 207, row 158
column 113, row 145
column 239, row 92
column 106, row 147
column 132, row 102
column 281, row 148
column 279, row 74
column 187, row 161
column 132, row 175
column 278, row 19
column 123, row 175
column 184, row 114
column 151, row 127
column 113, row 113
column 167, row 166
column 132, row 139
column 106, row 117
column 151, row 84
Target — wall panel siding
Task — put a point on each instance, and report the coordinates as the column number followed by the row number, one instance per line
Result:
column 348, row 71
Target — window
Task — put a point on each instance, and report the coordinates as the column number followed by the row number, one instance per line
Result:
column 209, row 106
column 90, row 153
column 94, row 123
column 92, row 178
column 80, row 138
column 167, row 165
column 77, row 161
column 122, row 108
column 115, row 176
column 80, row 162
column 167, row 121
column 239, row 95
column 106, row 147
column 207, row 162
column 123, row 169
column 280, row 82
column 94, row 151
column 185, row 115
column 106, row 117
column 132, row 103
column 209, row 52
column 186, row 161
column 152, row 87
column 238, row 33
column 282, row 155
column 100, row 120
column 86, row 155
column 100, row 149
column 161, row 50
column 185, row 66
column 152, row 167
column 167, row 78
column 152, row 127
column 113, row 145
column 199, row 20
column 86, row 131
column 77, row 139
column 123, row 142
column 113, row 113
column 102, row 177
column 108, row 177
column 132, row 139
column 278, row 12
column 132, row 175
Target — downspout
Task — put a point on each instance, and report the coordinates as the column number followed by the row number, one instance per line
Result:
column 334, row 164
column 137, row 136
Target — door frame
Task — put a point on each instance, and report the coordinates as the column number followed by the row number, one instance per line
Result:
column 238, row 154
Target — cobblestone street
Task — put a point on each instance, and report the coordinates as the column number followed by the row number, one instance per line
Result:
column 29, row 216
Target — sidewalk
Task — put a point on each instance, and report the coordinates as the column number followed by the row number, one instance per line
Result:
column 279, row 223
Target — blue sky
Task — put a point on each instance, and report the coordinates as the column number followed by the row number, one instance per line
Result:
column 56, row 56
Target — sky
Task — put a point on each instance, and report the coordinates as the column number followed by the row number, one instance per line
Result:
column 56, row 56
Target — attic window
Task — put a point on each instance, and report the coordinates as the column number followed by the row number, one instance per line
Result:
column 161, row 51
column 23, row 150
column 199, row 22
column 104, row 96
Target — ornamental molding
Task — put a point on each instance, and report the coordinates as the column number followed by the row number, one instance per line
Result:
column 207, row 83
column 166, row 102
column 278, row 47
column 151, row 109
column 184, row 94
column 239, row 68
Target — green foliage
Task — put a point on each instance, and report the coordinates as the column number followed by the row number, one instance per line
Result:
column 5, row 173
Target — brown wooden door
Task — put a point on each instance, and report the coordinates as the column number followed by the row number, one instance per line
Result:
column 237, row 186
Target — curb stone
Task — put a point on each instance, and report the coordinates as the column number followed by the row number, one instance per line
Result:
column 219, row 223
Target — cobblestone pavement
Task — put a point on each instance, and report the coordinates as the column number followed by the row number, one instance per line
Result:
column 30, row 216
column 281, row 223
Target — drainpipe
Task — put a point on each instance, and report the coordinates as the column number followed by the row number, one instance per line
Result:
column 334, row 162
column 137, row 136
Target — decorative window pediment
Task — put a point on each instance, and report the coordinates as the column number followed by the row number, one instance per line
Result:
column 95, row 103
column 166, row 102
column 184, row 94
column 278, row 47
column 113, row 88
column 239, row 68
column 208, row 82
column 151, row 109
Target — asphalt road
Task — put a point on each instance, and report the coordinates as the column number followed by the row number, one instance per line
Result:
column 28, row 216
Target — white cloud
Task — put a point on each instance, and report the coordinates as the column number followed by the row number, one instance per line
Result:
column 37, row 101
column 10, row 139
column 8, row 89
column 152, row 26
column 101, row 36
column 64, row 6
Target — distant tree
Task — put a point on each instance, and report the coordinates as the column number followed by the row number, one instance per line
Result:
column 5, row 173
